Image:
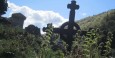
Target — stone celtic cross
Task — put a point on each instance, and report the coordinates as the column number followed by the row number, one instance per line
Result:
column 70, row 28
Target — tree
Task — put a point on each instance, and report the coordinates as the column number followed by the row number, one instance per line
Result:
column 3, row 6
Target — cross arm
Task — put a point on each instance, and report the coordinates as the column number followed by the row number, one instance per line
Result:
column 64, row 31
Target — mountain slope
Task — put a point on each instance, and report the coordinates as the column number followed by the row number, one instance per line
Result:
column 104, row 21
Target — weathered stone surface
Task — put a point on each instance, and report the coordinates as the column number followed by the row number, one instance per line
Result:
column 17, row 20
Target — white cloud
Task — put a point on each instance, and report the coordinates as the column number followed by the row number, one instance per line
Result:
column 84, row 14
column 37, row 17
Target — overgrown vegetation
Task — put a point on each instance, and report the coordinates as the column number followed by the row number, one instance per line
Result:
column 16, row 43
column 19, row 44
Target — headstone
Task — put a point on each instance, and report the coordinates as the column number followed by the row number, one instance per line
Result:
column 70, row 28
column 17, row 20
column 33, row 30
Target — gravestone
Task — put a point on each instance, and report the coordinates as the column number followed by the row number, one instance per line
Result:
column 17, row 20
column 70, row 28
column 33, row 30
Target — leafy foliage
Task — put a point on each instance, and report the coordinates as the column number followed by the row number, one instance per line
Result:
column 24, row 45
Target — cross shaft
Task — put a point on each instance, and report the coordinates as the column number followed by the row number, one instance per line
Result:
column 73, row 6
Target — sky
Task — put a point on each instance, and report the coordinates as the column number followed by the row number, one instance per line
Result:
column 42, row 12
